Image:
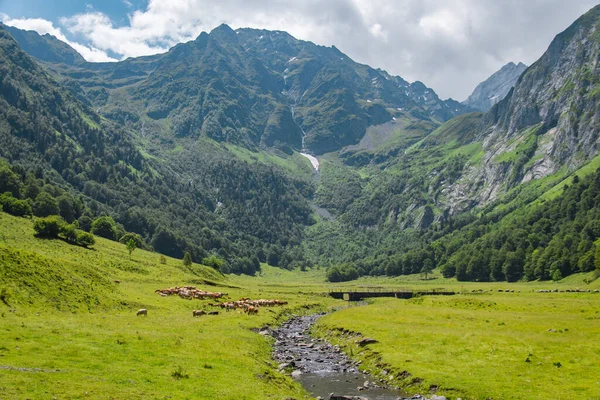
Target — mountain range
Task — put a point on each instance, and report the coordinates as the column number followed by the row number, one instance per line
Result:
column 210, row 136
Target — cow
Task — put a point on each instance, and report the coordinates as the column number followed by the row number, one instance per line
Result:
column 251, row 310
column 142, row 311
column 198, row 313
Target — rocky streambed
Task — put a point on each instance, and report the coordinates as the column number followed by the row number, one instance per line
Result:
column 323, row 369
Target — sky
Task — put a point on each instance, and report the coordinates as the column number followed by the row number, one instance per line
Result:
column 450, row 45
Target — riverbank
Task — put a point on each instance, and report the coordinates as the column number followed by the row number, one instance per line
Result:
column 488, row 345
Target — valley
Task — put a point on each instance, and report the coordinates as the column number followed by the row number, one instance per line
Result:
column 271, row 171
column 53, row 343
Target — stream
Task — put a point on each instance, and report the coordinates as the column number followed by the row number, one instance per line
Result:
column 321, row 368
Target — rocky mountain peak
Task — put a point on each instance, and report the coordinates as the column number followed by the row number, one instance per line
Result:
column 496, row 87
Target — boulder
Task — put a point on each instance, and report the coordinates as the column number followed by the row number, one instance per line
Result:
column 296, row 373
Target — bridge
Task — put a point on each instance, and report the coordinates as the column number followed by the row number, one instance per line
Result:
column 359, row 294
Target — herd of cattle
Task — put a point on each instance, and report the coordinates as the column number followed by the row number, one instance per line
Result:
column 246, row 305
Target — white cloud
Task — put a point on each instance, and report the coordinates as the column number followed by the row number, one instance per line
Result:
column 43, row 26
column 450, row 46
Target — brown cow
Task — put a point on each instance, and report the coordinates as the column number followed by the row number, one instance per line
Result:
column 198, row 313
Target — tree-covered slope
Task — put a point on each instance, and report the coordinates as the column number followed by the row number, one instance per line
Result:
column 180, row 202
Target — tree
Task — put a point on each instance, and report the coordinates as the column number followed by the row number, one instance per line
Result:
column 187, row 259
column 427, row 267
column 104, row 227
column 69, row 231
column 213, row 261
column 11, row 205
column 48, row 227
column 85, row 239
column 139, row 241
column 45, row 205
column 131, row 246
column 513, row 267
column 66, row 208
column 10, row 182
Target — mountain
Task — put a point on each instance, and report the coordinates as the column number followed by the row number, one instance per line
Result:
column 213, row 130
column 61, row 151
column 257, row 88
column 496, row 87
column 45, row 47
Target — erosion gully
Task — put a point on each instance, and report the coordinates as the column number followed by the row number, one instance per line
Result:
column 323, row 369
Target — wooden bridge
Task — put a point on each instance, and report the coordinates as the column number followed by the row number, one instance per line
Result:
column 359, row 294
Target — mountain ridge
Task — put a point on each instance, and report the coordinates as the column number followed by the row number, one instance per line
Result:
column 496, row 87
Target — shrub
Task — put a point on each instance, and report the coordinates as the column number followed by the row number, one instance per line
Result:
column 85, row 239
column 11, row 205
column 69, row 231
column 104, row 227
column 162, row 259
column 213, row 261
column 49, row 227
column 342, row 273
column 187, row 259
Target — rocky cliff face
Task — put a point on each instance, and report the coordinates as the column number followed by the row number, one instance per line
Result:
column 549, row 121
column 496, row 87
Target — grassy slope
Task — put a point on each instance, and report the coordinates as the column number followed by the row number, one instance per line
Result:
column 108, row 352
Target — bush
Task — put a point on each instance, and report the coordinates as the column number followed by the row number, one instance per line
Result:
column 104, row 227
column 11, row 205
column 69, row 231
column 342, row 273
column 187, row 259
column 85, row 239
column 49, row 227
column 213, row 261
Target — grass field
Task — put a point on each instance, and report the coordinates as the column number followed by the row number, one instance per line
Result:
column 69, row 331
column 491, row 345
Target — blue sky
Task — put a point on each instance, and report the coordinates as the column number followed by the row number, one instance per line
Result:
column 451, row 46
column 52, row 10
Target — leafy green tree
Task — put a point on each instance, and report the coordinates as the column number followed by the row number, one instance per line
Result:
column 214, row 262
column 69, row 231
column 85, row 239
column 427, row 267
column 513, row 267
column 139, row 241
column 9, row 182
column 66, row 207
column 49, row 227
column 104, row 227
column 45, row 205
column 85, row 223
column 132, row 245
column 342, row 273
column 187, row 259
column 11, row 205
column 165, row 241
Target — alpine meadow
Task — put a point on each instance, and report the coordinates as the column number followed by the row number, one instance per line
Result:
column 249, row 215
